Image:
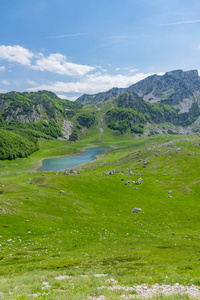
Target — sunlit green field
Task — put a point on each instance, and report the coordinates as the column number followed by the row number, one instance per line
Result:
column 91, row 229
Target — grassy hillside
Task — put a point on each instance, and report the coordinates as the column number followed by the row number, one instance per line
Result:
column 32, row 116
column 91, row 229
column 34, row 106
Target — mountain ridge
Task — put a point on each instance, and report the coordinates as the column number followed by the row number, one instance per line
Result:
column 171, row 88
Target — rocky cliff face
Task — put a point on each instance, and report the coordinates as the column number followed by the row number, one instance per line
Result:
column 32, row 116
column 171, row 88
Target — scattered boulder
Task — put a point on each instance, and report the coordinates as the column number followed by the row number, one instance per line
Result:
column 136, row 210
column 72, row 171
column 63, row 192
column 169, row 196
column 169, row 192
column 131, row 173
column 65, row 173
column 110, row 172
column 122, row 179
column 139, row 181
column 156, row 181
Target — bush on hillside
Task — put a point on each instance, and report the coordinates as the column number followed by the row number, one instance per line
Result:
column 86, row 119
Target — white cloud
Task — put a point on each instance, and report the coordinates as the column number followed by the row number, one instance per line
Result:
column 180, row 23
column 57, row 63
column 31, row 82
column 133, row 70
column 6, row 82
column 72, row 98
column 93, row 83
column 2, row 68
column 65, row 35
column 62, row 96
column 16, row 54
column 67, row 97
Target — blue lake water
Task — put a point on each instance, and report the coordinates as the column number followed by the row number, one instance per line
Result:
column 60, row 163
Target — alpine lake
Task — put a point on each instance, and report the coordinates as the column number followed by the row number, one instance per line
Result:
column 60, row 163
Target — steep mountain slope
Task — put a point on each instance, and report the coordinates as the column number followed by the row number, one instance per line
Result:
column 32, row 107
column 172, row 88
column 25, row 117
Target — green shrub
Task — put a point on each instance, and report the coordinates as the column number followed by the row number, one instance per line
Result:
column 86, row 119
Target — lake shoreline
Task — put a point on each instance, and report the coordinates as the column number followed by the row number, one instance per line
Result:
column 68, row 163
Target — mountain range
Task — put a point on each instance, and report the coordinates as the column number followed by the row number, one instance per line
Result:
column 156, row 105
column 174, row 88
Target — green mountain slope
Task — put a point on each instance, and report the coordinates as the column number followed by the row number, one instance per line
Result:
column 31, row 116
column 14, row 145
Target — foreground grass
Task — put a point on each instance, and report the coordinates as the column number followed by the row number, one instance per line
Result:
column 91, row 228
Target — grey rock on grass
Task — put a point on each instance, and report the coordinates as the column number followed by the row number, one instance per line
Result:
column 139, row 181
column 110, row 172
column 136, row 210
column 72, row 171
column 63, row 192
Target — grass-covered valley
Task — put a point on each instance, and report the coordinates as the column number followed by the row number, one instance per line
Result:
column 91, row 229
column 122, row 226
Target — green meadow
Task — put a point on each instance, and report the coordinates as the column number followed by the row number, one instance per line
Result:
column 91, row 230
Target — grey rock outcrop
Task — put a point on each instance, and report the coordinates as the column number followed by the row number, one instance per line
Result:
column 66, row 130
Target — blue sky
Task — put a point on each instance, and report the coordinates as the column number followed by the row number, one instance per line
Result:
column 89, row 46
